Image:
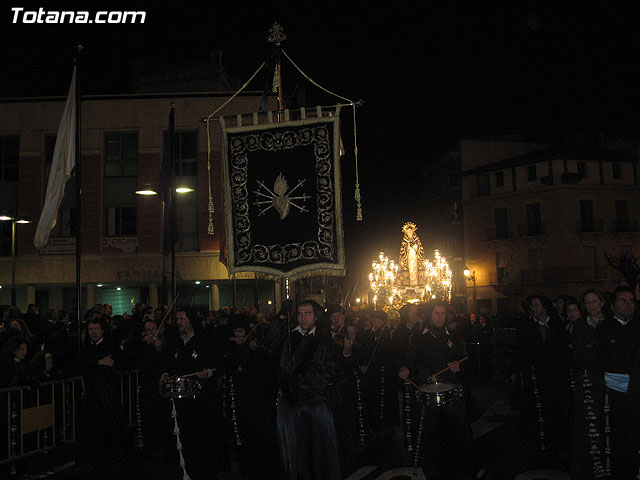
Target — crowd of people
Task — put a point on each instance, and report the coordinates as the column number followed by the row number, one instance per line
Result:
column 308, row 391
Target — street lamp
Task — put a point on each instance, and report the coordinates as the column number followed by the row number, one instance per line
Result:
column 14, row 220
column 147, row 190
column 471, row 276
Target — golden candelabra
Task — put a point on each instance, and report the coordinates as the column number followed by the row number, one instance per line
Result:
column 438, row 273
column 382, row 280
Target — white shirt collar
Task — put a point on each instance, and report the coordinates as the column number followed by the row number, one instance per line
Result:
column 310, row 332
column 591, row 323
column 185, row 340
column 544, row 324
column 621, row 321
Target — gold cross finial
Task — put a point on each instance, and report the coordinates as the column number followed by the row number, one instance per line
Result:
column 276, row 34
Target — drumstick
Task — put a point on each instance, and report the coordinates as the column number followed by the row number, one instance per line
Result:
column 188, row 375
column 196, row 373
column 445, row 369
column 413, row 383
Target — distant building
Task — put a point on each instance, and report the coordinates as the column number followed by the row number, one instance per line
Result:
column 539, row 219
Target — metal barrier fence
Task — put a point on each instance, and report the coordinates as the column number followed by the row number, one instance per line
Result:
column 46, row 417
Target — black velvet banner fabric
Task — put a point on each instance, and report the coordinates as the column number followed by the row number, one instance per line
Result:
column 282, row 198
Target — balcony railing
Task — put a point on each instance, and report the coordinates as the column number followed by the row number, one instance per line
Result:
column 595, row 226
column 526, row 230
column 564, row 273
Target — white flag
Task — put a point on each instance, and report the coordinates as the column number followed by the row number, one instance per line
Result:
column 61, row 167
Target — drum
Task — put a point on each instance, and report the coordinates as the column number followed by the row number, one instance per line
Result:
column 439, row 394
column 180, row 387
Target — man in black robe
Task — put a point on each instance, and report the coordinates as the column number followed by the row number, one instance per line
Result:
column 102, row 439
column 543, row 361
column 446, row 443
column 306, row 428
column 618, row 340
column 203, row 447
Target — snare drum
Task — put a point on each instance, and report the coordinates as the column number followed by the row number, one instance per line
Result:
column 180, row 387
column 439, row 394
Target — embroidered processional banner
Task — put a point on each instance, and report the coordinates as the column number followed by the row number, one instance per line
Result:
column 283, row 198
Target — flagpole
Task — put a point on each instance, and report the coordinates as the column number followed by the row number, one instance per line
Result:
column 172, row 199
column 78, row 162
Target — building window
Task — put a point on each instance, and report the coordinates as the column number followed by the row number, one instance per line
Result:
column 617, row 171
column 9, row 158
column 484, row 185
column 586, row 216
column 534, row 223
column 120, row 183
column 582, row 169
column 120, row 221
column 185, row 159
column 502, row 223
column 532, row 174
column 185, row 169
column 622, row 216
column 5, row 238
column 121, row 154
column 499, row 179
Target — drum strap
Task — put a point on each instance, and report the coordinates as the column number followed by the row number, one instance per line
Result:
column 607, row 435
column 416, row 456
column 139, row 436
column 382, row 379
column 592, row 420
column 176, row 431
column 234, row 416
column 408, row 441
column 538, row 401
column 360, row 407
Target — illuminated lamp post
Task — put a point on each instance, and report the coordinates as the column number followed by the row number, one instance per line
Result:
column 148, row 191
column 471, row 276
column 14, row 220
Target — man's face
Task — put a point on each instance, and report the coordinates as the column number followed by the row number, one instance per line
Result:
column 592, row 304
column 378, row 323
column 438, row 316
column 95, row 332
column 412, row 317
column 537, row 309
column 337, row 320
column 150, row 328
column 21, row 352
column 559, row 304
column 625, row 305
column 239, row 332
column 108, row 309
column 306, row 317
column 472, row 318
column 182, row 322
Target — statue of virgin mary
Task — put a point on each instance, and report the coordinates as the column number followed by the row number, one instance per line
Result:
column 411, row 269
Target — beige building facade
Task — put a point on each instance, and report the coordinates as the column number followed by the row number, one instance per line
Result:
column 121, row 233
column 540, row 219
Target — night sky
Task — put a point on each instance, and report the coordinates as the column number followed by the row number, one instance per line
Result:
column 429, row 75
